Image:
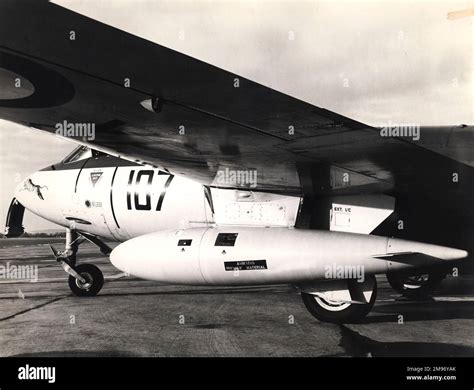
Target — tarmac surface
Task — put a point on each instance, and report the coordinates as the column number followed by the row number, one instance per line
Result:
column 133, row 317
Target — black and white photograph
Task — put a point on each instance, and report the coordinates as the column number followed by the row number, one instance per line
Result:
column 244, row 191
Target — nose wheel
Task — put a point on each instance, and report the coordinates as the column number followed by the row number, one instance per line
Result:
column 89, row 284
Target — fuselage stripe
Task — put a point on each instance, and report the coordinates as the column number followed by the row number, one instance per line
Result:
column 111, row 197
column 79, row 174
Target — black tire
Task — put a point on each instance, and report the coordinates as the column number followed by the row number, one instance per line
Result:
column 416, row 285
column 94, row 277
column 353, row 313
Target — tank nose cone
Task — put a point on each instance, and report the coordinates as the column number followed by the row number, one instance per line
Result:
column 434, row 251
column 122, row 256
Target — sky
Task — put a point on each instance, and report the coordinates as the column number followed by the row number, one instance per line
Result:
column 376, row 62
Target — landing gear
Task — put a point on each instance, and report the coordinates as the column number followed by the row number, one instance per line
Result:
column 328, row 306
column 91, row 283
column 72, row 246
column 85, row 280
column 416, row 285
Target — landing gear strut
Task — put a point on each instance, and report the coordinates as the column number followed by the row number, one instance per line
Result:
column 85, row 280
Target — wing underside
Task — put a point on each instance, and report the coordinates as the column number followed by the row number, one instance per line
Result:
column 156, row 106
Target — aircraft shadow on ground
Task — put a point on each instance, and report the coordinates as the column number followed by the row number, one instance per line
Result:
column 361, row 346
column 77, row 353
column 420, row 311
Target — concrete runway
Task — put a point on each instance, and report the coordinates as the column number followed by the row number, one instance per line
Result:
column 132, row 317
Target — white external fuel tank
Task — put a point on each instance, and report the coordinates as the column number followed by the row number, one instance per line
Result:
column 255, row 255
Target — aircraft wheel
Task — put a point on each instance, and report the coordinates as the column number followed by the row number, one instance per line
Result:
column 416, row 286
column 94, row 281
column 338, row 312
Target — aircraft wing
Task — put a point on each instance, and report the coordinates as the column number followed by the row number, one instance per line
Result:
column 205, row 119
